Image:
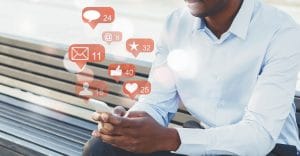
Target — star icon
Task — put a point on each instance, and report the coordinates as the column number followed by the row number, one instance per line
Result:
column 133, row 46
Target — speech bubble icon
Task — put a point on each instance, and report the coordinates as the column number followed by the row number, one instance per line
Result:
column 112, row 36
column 118, row 71
column 91, row 15
column 91, row 89
column 137, row 87
column 95, row 15
column 139, row 45
column 83, row 53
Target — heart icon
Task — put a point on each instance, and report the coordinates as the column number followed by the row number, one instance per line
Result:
column 131, row 87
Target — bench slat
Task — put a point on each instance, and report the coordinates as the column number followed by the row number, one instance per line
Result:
column 60, row 51
column 47, row 71
column 16, row 124
column 179, row 117
column 13, row 147
column 50, row 72
column 64, row 87
column 51, row 126
column 52, row 61
column 29, row 134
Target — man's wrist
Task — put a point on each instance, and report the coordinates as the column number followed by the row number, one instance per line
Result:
column 170, row 140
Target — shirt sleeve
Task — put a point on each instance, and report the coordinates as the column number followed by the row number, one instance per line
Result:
column 267, row 110
column 163, row 101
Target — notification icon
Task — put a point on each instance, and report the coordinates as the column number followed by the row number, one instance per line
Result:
column 138, row 87
column 91, row 89
column 118, row 71
column 95, row 15
column 83, row 53
column 138, row 45
column 112, row 36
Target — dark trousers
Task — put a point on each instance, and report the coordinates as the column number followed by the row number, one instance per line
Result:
column 95, row 147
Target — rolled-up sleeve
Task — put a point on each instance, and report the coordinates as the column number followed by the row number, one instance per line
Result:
column 267, row 110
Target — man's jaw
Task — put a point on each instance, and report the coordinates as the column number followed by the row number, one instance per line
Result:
column 193, row 1
column 193, row 4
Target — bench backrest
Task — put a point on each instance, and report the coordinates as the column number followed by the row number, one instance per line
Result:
column 39, row 69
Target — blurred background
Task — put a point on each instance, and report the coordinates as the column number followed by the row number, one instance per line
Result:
column 59, row 22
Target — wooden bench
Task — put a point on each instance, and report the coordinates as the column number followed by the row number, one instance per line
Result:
column 37, row 68
column 37, row 95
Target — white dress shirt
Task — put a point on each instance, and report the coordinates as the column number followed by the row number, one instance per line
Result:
column 241, row 85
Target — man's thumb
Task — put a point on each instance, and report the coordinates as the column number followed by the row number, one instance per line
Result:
column 135, row 114
column 119, row 110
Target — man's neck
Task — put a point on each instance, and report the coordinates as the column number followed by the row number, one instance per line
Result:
column 221, row 21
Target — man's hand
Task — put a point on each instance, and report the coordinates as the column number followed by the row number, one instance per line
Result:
column 138, row 133
column 118, row 111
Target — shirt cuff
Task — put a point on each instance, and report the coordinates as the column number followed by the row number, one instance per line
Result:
column 196, row 142
column 192, row 141
column 152, row 112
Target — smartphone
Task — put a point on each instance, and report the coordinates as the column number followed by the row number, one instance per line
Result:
column 100, row 106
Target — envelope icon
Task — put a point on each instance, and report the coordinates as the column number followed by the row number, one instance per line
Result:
column 79, row 53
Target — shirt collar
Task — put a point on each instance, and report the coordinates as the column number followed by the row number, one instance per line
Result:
column 241, row 22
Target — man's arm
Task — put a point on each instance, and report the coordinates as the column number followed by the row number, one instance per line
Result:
column 163, row 101
column 269, row 106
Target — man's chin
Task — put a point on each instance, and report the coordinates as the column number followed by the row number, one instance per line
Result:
column 196, row 9
column 198, row 14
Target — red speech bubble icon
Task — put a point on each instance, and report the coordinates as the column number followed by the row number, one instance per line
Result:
column 118, row 71
column 83, row 53
column 95, row 15
column 112, row 36
column 138, row 45
column 91, row 89
column 138, row 87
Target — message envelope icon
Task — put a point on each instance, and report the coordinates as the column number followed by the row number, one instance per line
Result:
column 80, row 53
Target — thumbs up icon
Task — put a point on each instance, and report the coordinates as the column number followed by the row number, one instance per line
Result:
column 116, row 72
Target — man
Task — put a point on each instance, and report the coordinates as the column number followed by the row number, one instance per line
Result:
column 240, row 82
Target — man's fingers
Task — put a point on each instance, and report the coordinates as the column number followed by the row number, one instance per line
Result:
column 120, row 121
column 110, row 129
column 108, row 126
column 100, row 117
column 96, row 133
column 120, row 142
column 106, row 117
column 116, row 140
